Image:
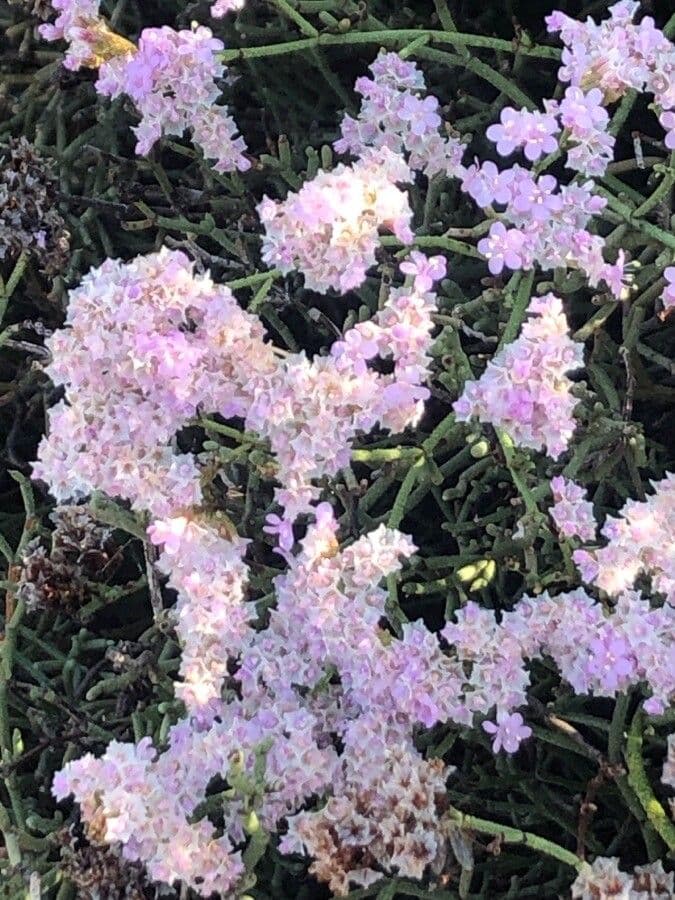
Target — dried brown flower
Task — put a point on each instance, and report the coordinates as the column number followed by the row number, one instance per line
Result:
column 61, row 577
column 29, row 219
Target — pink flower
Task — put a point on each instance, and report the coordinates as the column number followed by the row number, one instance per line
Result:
column 505, row 247
column 282, row 528
column 394, row 117
column 221, row 7
column 425, row 269
column 668, row 295
column 508, row 732
column 667, row 119
column 534, row 131
column 571, row 512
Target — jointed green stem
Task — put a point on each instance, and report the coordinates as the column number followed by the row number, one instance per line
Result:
column 514, row 836
column 397, row 38
column 637, row 779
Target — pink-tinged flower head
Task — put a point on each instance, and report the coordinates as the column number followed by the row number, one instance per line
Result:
column 222, row 7
column 616, row 54
column 508, row 732
column 485, row 184
column 505, row 247
column 611, row 661
column 329, row 229
column 571, row 511
column 525, row 389
column 173, row 81
column 394, row 116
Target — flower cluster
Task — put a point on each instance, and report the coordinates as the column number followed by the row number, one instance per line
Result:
column 60, row 578
column 525, row 389
column 171, row 76
column 326, row 622
column 596, row 653
column 581, row 115
column 571, row 511
column 533, row 131
column 617, row 55
column 134, row 797
column 602, row 62
column 385, row 810
column 329, row 229
column 547, row 223
column 604, row 879
column 640, row 540
column 145, row 344
column 334, row 699
column 172, row 79
column 395, row 117
column 148, row 343
column 212, row 620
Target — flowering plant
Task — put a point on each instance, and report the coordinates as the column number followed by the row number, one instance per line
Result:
column 368, row 453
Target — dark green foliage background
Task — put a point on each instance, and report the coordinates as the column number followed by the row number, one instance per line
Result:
column 67, row 695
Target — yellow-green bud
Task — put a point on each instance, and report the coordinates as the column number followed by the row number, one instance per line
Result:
column 252, row 823
column 480, row 449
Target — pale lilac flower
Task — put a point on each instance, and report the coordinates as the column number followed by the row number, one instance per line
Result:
column 420, row 114
column 485, row 184
column 533, row 131
column 508, row 732
column 571, row 511
column 667, row 119
column 282, row 528
column 425, row 269
column 611, row 660
column 535, row 200
column 505, row 247
column 583, row 113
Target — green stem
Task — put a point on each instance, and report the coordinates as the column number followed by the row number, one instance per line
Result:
column 514, row 836
column 661, row 192
column 6, row 290
column 250, row 280
column 637, row 779
column 396, row 37
column 521, row 301
column 510, row 458
column 429, row 240
column 408, row 483
column 384, row 454
column 652, row 231
column 243, row 437
column 287, row 10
